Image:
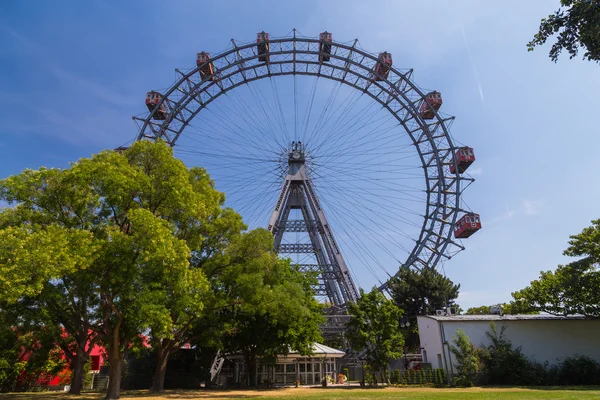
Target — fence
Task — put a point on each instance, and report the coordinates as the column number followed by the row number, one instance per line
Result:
column 418, row 377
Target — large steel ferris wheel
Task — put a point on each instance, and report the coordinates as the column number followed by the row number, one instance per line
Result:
column 375, row 152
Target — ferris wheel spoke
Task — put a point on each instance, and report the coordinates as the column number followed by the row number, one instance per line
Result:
column 354, row 227
column 216, row 135
column 377, row 134
column 260, row 202
column 262, row 101
column 278, row 104
column 306, row 120
column 353, row 246
column 324, row 112
column 242, row 134
column 250, row 122
column 384, row 213
column 376, row 200
column 363, row 224
column 265, row 122
column 330, row 122
column 225, row 155
column 337, row 133
column 223, row 143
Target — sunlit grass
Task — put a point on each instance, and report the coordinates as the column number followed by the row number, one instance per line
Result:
column 574, row 393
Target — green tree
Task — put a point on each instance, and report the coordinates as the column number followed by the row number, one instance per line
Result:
column 421, row 292
column 481, row 310
column 512, row 308
column 46, row 254
column 375, row 327
column 274, row 308
column 125, row 218
column 577, row 24
column 571, row 288
column 467, row 362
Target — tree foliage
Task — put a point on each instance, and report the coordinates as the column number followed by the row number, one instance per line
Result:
column 572, row 288
column 274, row 309
column 467, row 361
column 375, row 327
column 577, row 24
column 105, row 246
column 421, row 292
column 504, row 365
column 512, row 308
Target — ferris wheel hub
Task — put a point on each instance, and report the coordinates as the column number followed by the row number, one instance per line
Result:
column 296, row 153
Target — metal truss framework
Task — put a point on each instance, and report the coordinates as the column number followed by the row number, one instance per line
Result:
column 353, row 66
column 297, row 193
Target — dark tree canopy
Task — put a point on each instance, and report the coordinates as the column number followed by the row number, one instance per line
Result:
column 421, row 293
column 577, row 24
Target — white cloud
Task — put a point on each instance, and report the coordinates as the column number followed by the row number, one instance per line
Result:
column 468, row 47
column 533, row 207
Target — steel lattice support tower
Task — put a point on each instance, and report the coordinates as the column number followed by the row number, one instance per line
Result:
column 297, row 193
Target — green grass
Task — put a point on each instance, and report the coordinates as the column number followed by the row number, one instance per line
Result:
column 575, row 393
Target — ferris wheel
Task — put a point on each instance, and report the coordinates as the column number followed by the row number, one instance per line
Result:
column 341, row 155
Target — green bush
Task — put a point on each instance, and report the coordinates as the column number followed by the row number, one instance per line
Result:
column 467, row 362
column 395, row 376
column 575, row 370
column 503, row 364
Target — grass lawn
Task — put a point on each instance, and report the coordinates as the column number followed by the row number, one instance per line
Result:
column 575, row 393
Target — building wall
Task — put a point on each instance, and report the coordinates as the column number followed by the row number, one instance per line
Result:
column 429, row 334
column 540, row 340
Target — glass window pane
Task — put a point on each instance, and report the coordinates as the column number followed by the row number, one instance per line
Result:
column 302, row 367
column 309, row 367
column 317, row 367
column 290, row 368
column 279, row 368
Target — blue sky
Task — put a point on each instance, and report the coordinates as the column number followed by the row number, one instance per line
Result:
column 73, row 73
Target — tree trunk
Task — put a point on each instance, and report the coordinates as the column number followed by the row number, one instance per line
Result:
column 250, row 359
column 158, row 380
column 115, row 358
column 385, row 378
column 78, row 366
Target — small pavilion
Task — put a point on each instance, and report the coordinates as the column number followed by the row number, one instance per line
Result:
column 292, row 367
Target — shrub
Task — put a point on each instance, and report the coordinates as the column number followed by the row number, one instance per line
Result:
column 502, row 364
column 395, row 377
column 467, row 362
column 575, row 370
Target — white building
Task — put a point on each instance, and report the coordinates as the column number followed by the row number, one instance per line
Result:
column 541, row 337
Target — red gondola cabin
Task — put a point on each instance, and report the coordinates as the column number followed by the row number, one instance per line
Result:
column 467, row 225
column 463, row 157
column 325, row 46
column 433, row 98
column 382, row 68
column 206, row 66
column 152, row 99
column 262, row 46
